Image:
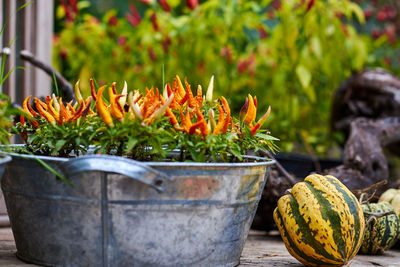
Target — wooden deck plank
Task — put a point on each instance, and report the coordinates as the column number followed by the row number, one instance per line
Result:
column 260, row 250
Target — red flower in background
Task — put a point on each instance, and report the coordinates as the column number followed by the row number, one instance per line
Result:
column 376, row 33
column 133, row 17
column 166, row 42
column 390, row 32
column 192, row 4
column 368, row 13
column 152, row 55
column 381, row 16
column 71, row 9
column 121, row 40
column 113, row 21
column 310, row 4
column 248, row 64
column 74, row 5
column 262, row 32
column 165, row 5
column 154, row 21
column 276, row 4
column 147, row 2
column 227, row 53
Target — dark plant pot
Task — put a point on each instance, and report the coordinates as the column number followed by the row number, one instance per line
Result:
column 296, row 164
column 302, row 165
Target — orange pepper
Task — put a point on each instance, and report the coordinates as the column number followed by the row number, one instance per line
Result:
column 161, row 109
column 71, row 108
column 171, row 115
column 79, row 111
column 101, row 109
column 191, row 100
column 221, row 120
column 251, row 112
column 65, row 116
column 199, row 96
column 183, row 99
column 203, row 126
column 43, row 112
column 179, row 86
column 228, row 114
column 27, row 108
column 194, row 128
column 186, row 121
column 51, row 109
column 116, row 109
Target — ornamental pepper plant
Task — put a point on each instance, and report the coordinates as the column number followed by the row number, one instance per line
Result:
column 149, row 125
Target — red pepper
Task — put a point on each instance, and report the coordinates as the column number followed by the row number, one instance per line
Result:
column 93, row 90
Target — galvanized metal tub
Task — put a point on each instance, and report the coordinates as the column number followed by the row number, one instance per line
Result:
column 3, row 161
column 122, row 212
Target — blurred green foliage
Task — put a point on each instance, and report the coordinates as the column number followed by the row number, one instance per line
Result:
column 292, row 54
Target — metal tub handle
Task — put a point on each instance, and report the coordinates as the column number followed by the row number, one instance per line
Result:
column 114, row 164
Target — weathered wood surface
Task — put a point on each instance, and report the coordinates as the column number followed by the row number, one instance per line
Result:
column 259, row 250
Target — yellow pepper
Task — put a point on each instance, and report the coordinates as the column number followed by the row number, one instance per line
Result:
column 102, row 109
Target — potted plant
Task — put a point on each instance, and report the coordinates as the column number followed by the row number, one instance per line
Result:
column 147, row 179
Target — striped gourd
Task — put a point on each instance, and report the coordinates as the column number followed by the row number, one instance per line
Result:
column 383, row 234
column 320, row 221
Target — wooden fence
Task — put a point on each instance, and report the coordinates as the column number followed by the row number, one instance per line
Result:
column 32, row 30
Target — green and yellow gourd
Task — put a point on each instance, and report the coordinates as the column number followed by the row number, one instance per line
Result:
column 382, row 234
column 320, row 221
column 393, row 197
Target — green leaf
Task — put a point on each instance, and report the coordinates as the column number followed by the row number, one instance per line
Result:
column 266, row 136
column 56, row 85
column 59, row 144
column 315, row 45
column 357, row 11
column 304, row 75
column 235, row 150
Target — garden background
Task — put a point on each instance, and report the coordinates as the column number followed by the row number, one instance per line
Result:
column 292, row 54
